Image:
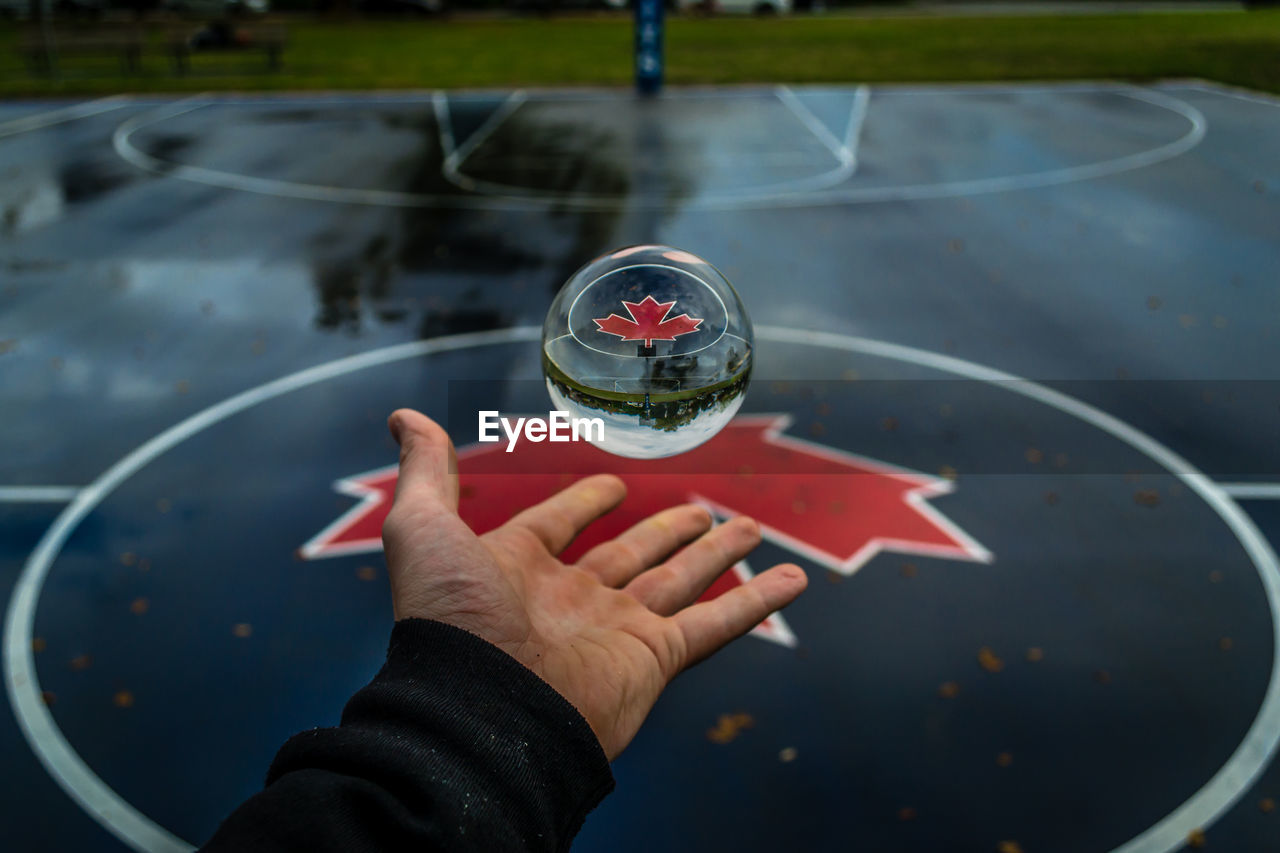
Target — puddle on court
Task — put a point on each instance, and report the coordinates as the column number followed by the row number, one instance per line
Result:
column 435, row 266
column 40, row 193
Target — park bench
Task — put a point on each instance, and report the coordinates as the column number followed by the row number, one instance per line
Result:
column 270, row 40
column 42, row 49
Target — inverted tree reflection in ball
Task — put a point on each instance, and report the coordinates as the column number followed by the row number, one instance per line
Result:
column 655, row 342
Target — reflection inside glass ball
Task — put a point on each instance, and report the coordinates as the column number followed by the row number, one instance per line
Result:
column 655, row 342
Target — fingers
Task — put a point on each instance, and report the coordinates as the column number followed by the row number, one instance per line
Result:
column 562, row 516
column 619, row 560
column 678, row 582
column 428, row 465
column 709, row 625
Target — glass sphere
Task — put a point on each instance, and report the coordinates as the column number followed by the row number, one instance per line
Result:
column 655, row 342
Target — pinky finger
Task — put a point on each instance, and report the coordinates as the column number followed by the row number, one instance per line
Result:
column 709, row 625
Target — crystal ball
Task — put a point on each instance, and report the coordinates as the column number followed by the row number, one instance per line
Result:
column 653, row 341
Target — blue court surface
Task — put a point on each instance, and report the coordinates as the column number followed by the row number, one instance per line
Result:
column 1015, row 410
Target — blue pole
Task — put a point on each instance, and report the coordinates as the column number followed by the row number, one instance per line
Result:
column 649, row 46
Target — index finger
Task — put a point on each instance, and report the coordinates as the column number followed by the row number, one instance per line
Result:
column 561, row 517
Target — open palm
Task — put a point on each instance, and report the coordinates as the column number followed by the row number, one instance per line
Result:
column 608, row 633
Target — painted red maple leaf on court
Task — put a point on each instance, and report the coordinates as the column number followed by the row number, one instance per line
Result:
column 648, row 322
column 826, row 505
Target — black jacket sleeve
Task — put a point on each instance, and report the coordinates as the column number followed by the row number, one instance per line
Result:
column 453, row 746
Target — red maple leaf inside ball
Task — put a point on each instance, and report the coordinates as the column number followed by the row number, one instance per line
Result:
column 648, row 323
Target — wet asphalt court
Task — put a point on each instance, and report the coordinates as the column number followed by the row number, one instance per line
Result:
column 1056, row 304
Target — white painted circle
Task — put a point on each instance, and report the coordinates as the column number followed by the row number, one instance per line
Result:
column 725, row 201
column 573, row 306
column 138, row 831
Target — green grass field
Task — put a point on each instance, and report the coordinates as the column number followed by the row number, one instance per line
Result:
column 1241, row 48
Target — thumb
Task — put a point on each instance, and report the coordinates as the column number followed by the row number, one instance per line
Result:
column 428, row 464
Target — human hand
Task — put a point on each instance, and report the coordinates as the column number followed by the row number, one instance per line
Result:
column 608, row 633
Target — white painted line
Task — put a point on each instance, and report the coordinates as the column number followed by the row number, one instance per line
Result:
column 248, row 183
column 1255, row 751
column 724, row 309
column 320, row 546
column 1252, row 491
column 58, row 116
column 932, row 486
column 803, row 192
column 1253, row 98
column 451, row 168
column 838, row 149
column 276, row 99
column 444, row 124
column 857, row 118
column 1052, row 177
column 845, row 158
column 130, row 154
column 59, row 758
column 460, row 95
column 38, row 494
column 795, row 194
column 708, row 93
column 1232, row 780
column 1066, row 87
column 592, row 201
column 681, row 93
